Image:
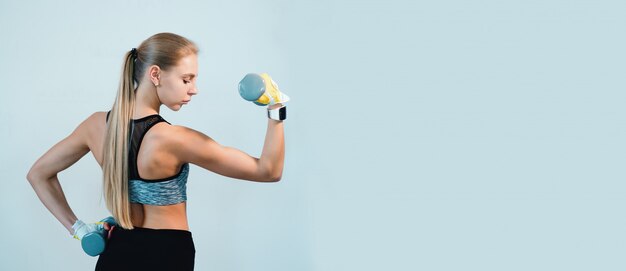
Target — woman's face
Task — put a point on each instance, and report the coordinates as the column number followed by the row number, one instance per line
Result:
column 178, row 84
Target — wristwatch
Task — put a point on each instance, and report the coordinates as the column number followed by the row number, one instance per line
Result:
column 277, row 113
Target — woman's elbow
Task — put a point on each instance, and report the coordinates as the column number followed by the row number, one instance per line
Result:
column 32, row 175
column 270, row 177
column 273, row 176
column 36, row 174
column 269, row 173
column 276, row 178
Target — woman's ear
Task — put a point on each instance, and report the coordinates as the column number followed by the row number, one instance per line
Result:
column 155, row 74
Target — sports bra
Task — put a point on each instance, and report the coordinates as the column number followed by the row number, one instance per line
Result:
column 165, row 191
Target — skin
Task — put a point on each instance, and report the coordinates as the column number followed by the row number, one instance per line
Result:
column 164, row 149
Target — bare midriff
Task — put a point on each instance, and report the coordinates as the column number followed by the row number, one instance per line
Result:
column 160, row 217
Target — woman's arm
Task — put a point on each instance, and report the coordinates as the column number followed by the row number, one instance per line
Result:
column 195, row 147
column 273, row 154
column 43, row 174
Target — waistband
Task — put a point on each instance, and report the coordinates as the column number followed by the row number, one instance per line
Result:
column 152, row 231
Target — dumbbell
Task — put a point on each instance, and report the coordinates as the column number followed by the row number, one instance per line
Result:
column 261, row 89
column 93, row 243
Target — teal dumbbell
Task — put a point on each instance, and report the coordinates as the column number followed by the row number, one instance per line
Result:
column 261, row 89
column 93, row 243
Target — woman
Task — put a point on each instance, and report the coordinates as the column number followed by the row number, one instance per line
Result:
column 145, row 160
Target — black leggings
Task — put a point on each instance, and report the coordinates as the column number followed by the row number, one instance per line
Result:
column 147, row 249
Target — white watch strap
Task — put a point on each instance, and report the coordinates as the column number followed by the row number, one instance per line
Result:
column 277, row 113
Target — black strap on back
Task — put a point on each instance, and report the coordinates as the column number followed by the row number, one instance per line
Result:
column 138, row 128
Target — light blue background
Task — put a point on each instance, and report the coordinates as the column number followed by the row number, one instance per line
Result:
column 422, row 135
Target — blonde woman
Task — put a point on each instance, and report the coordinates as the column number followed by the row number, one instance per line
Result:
column 145, row 160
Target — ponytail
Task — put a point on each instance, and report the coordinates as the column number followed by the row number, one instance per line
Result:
column 116, row 146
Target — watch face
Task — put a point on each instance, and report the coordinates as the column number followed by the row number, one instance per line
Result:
column 277, row 113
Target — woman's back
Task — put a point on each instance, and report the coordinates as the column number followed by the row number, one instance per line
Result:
column 154, row 162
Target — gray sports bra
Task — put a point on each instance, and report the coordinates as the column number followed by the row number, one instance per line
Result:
column 165, row 191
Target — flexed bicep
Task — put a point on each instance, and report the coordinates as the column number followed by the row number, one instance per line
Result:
column 199, row 149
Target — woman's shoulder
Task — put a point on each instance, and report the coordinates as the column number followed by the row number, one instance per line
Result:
column 171, row 132
column 94, row 120
column 93, row 126
column 179, row 138
column 97, row 117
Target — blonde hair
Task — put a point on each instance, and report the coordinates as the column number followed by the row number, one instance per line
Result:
column 163, row 50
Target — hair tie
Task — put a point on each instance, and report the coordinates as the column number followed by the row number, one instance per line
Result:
column 133, row 53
